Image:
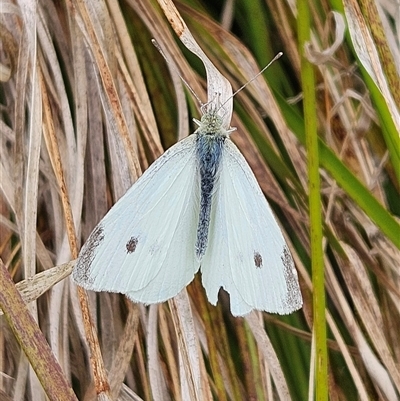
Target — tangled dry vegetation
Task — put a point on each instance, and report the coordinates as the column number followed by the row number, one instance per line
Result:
column 87, row 102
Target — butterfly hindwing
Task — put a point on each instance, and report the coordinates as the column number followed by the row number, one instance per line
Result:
column 246, row 253
column 144, row 246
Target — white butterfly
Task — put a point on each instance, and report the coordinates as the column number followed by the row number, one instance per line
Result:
column 198, row 206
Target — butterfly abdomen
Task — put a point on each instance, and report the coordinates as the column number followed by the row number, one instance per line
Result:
column 209, row 152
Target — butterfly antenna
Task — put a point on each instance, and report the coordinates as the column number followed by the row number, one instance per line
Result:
column 157, row 46
column 279, row 55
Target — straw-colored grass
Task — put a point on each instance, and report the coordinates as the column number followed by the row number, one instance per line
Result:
column 87, row 103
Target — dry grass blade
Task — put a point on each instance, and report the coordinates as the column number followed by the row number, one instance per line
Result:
column 367, row 51
column 32, row 288
column 268, row 352
column 32, row 340
column 189, row 358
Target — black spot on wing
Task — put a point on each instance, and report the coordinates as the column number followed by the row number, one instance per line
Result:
column 258, row 262
column 131, row 244
column 87, row 254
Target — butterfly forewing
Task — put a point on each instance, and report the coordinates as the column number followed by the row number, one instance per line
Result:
column 144, row 246
column 247, row 253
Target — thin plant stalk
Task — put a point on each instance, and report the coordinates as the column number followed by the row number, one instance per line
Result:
column 319, row 321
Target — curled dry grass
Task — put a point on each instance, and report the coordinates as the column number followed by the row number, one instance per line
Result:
column 87, row 102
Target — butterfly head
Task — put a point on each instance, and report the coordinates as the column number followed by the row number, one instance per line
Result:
column 213, row 124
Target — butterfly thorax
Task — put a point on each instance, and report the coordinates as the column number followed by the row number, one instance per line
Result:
column 212, row 124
